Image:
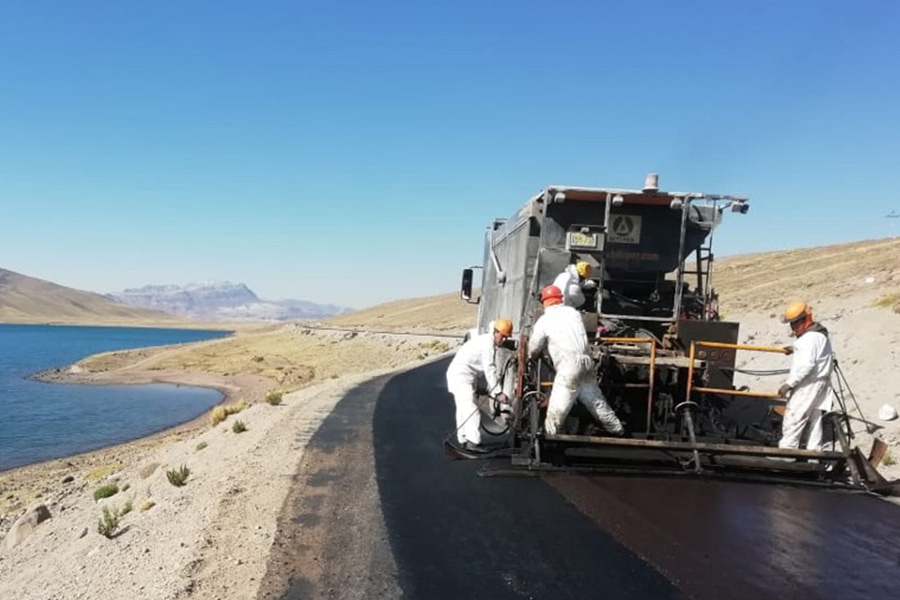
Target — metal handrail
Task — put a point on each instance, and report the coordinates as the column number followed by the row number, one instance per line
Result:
column 726, row 346
column 636, row 341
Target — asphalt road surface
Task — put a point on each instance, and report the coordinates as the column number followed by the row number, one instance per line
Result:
column 378, row 511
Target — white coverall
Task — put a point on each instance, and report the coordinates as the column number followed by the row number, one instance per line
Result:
column 562, row 330
column 474, row 359
column 569, row 283
column 812, row 396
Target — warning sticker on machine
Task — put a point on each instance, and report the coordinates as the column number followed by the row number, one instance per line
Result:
column 625, row 229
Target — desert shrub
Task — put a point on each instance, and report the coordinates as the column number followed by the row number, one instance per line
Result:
column 108, row 523
column 99, row 472
column 202, row 445
column 178, row 477
column 888, row 459
column 126, row 508
column 889, row 301
column 239, row 427
column 274, row 397
column 235, row 408
column 147, row 504
column 435, row 345
column 105, row 491
column 217, row 415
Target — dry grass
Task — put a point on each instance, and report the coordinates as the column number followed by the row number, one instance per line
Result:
column 768, row 280
column 99, row 472
column 217, row 415
column 889, row 301
column 223, row 411
column 446, row 312
column 295, row 357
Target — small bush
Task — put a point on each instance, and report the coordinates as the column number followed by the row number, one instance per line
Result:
column 147, row 504
column 178, row 477
column 126, row 508
column 223, row 411
column 105, row 491
column 274, row 397
column 889, row 301
column 201, row 446
column 108, row 523
column 888, row 459
column 100, row 472
column 217, row 415
column 235, row 408
column 239, row 427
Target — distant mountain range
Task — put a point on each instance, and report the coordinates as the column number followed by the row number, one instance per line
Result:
column 221, row 301
column 26, row 299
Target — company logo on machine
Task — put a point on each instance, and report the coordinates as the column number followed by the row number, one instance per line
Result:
column 626, row 229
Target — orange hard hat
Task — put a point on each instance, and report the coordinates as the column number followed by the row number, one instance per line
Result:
column 551, row 295
column 795, row 311
column 503, row 327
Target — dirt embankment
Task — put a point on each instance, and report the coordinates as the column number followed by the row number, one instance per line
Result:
column 211, row 537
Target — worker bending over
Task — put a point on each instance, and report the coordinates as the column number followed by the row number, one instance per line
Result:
column 475, row 360
column 561, row 329
column 808, row 386
column 571, row 281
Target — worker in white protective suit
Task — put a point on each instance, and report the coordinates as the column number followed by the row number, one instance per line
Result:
column 572, row 281
column 808, row 386
column 561, row 330
column 476, row 360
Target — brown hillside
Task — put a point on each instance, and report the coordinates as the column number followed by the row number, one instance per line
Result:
column 445, row 312
column 753, row 282
column 29, row 300
column 768, row 280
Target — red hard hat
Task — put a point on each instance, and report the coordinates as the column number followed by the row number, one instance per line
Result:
column 551, row 295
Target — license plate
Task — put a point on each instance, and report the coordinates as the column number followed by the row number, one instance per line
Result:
column 583, row 240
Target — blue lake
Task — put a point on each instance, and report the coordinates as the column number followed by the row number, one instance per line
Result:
column 40, row 421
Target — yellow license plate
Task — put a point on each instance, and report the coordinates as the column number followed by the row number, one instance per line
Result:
column 583, row 240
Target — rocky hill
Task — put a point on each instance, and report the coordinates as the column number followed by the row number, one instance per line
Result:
column 26, row 299
column 221, row 301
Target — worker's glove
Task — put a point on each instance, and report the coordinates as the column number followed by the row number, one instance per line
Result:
column 589, row 284
column 785, row 390
column 788, row 350
column 502, row 398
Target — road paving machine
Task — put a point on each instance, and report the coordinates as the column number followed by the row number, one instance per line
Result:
column 663, row 358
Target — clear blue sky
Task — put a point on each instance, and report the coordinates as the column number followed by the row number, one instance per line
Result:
column 353, row 152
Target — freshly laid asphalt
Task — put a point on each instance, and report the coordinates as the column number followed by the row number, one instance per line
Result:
column 457, row 535
column 396, row 517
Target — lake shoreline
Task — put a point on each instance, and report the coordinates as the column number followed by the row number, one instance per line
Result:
column 44, row 481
